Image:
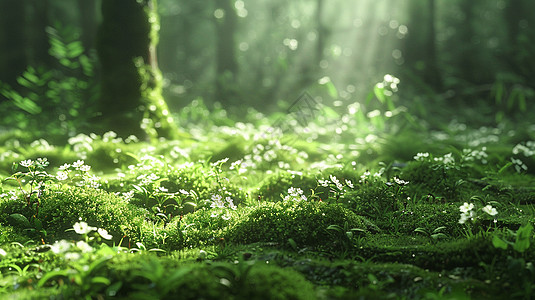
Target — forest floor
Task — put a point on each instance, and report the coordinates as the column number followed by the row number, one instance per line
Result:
column 345, row 206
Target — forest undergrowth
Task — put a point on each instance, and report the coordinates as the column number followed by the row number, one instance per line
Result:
column 341, row 202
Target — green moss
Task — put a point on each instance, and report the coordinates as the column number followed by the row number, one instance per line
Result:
column 438, row 179
column 428, row 217
column 276, row 184
column 305, row 222
column 59, row 211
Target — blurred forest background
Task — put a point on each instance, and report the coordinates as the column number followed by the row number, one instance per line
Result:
column 247, row 56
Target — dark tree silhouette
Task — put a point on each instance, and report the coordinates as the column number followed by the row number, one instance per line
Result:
column 227, row 66
column 131, row 101
column 12, row 41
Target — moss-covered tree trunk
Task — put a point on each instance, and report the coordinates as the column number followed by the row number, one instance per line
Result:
column 227, row 66
column 131, row 99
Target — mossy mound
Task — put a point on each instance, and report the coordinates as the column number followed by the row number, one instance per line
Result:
column 147, row 277
column 276, row 184
column 305, row 222
column 59, row 210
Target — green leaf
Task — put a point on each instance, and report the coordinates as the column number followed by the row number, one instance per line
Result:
column 522, row 238
column 50, row 275
column 19, row 220
column 100, row 279
column 498, row 243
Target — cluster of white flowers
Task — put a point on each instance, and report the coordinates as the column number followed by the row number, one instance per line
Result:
column 528, row 149
column 472, row 155
column 400, row 181
column 446, row 159
column 79, row 171
column 519, row 165
column 295, row 194
column 72, row 251
column 422, row 156
column 220, row 206
column 468, row 212
column 11, row 194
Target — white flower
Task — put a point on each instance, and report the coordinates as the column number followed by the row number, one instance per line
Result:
column 3, row 252
column 448, row 159
column 324, row 183
column 466, row 207
column 230, row 203
column 26, row 163
column 217, row 201
column 83, row 228
column 490, row 210
column 400, row 181
column 60, row 246
column 349, row 183
column 72, row 256
column 62, row 175
column 421, row 156
column 83, row 246
column 64, row 167
column 85, row 168
column 77, row 164
column 104, row 234
column 465, row 216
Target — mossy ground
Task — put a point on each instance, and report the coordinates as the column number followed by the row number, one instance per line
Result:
column 365, row 219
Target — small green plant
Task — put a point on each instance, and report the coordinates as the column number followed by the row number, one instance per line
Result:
column 346, row 236
column 435, row 234
column 85, row 263
column 521, row 239
column 32, row 181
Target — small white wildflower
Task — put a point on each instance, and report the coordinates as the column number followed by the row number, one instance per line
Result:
column 128, row 195
column 184, row 192
column 62, row 176
column 85, row 168
column 231, row 203
column 83, row 228
column 466, row 207
column 400, row 181
column 421, row 156
column 324, row 183
column 221, row 161
column 60, row 246
column 217, row 201
column 26, row 163
column 448, row 159
column 84, row 247
column 490, row 210
column 225, row 217
column 64, row 167
column 162, row 189
column 104, row 234
column 349, row 183
column 3, row 252
column 77, row 164
column 465, row 216
column 72, row 256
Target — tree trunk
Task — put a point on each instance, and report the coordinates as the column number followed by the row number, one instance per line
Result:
column 227, row 67
column 131, row 99
column 432, row 71
column 88, row 22
column 12, row 41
